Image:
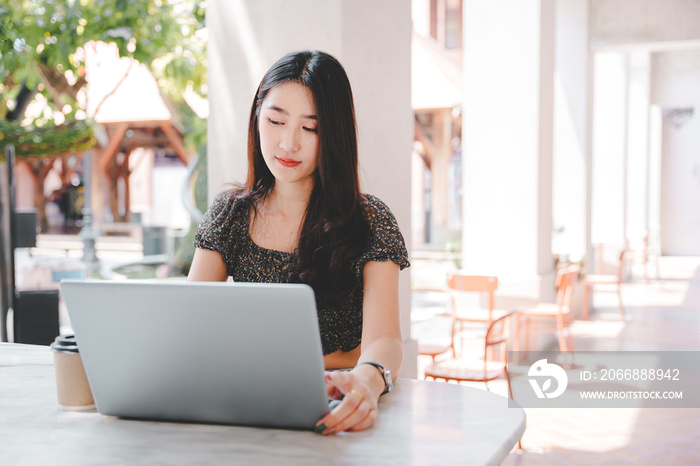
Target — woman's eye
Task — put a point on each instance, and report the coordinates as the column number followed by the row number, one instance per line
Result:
column 274, row 122
column 310, row 130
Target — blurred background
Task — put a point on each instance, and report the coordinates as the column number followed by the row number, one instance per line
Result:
column 510, row 138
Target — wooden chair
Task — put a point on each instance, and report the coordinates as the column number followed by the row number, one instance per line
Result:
column 435, row 349
column 485, row 284
column 591, row 281
column 493, row 365
column 460, row 284
column 543, row 315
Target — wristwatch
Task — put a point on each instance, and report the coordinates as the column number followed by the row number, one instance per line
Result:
column 386, row 374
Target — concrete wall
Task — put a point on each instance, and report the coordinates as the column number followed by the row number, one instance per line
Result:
column 680, row 187
column 675, row 84
column 371, row 39
column 675, row 78
column 621, row 196
column 617, row 23
column 647, row 61
column 570, row 129
column 508, row 114
column 608, row 149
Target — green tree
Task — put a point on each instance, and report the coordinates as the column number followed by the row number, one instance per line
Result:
column 42, row 52
column 41, row 48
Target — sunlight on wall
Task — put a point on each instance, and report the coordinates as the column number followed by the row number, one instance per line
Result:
column 608, row 148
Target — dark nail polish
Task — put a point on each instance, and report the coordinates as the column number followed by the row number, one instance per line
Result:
column 320, row 428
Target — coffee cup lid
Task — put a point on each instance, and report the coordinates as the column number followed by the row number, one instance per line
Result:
column 65, row 344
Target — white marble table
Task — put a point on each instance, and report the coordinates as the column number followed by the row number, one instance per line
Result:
column 420, row 423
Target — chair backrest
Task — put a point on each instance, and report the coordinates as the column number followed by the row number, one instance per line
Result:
column 621, row 265
column 474, row 283
column 461, row 282
column 496, row 341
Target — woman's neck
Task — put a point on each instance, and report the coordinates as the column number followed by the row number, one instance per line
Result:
column 290, row 199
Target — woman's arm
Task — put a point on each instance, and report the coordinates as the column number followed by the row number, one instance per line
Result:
column 381, row 343
column 207, row 266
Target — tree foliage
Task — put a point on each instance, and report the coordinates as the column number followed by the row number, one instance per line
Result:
column 42, row 46
column 50, row 139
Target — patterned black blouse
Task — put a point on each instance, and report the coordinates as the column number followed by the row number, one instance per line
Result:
column 224, row 229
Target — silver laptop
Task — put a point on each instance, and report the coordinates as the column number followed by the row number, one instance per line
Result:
column 223, row 353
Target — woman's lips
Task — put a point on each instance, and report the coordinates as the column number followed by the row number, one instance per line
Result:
column 289, row 163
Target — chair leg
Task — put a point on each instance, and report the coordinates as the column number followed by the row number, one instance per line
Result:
column 563, row 345
column 571, row 339
column 586, row 298
column 454, row 333
column 562, row 338
column 619, row 297
column 510, row 389
column 527, row 333
column 569, row 336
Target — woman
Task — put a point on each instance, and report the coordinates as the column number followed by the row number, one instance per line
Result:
column 300, row 217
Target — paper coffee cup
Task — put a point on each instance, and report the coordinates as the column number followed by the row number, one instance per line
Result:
column 71, row 382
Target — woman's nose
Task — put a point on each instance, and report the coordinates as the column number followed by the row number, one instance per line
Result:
column 290, row 140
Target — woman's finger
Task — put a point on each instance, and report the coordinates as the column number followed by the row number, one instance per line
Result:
column 347, row 406
column 366, row 423
column 334, row 392
column 359, row 419
column 352, row 410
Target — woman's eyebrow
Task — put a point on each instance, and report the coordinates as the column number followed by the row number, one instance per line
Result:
column 286, row 113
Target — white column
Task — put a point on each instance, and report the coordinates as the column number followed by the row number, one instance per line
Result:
column 637, row 147
column 570, row 129
column 373, row 42
column 620, row 153
column 507, row 143
column 609, row 148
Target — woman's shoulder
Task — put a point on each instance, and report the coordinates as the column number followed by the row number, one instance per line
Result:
column 227, row 209
column 385, row 241
column 223, row 222
column 375, row 210
column 226, row 217
column 372, row 203
column 231, row 201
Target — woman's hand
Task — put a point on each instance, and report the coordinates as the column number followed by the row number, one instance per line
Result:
column 357, row 411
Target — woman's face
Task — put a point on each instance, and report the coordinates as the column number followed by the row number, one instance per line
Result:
column 288, row 133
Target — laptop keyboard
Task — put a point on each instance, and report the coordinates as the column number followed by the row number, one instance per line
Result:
column 333, row 403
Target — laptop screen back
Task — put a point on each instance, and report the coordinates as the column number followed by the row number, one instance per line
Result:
column 229, row 353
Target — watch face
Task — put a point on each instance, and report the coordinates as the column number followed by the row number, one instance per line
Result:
column 387, row 381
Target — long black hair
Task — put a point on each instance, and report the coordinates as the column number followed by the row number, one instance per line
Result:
column 334, row 229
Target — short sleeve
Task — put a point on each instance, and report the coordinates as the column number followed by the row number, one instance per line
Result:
column 219, row 229
column 385, row 240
